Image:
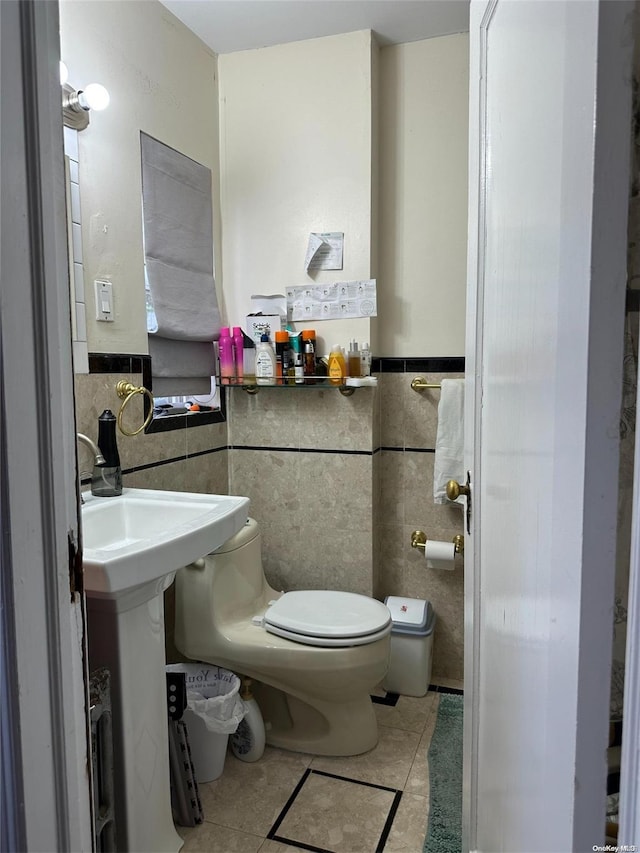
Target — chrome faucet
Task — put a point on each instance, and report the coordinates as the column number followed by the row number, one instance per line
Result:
column 98, row 460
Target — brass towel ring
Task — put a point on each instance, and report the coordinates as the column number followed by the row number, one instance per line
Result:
column 126, row 390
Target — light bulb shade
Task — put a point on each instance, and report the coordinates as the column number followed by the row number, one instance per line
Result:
column 64, row 73
column 94, row 97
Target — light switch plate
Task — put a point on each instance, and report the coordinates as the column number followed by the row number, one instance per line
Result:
column 104, row 300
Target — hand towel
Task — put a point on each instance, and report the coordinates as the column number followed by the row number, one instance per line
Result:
column 449, row 458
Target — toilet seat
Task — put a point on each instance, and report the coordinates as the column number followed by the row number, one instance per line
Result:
column 328, row 618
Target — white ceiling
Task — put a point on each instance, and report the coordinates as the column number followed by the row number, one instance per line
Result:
column 230, row 25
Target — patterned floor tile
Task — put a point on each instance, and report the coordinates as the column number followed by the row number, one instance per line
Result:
column 336, row 814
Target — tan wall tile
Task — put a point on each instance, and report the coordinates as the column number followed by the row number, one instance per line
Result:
column 265, row 419
column 208, row 473
column 392, row 482
column 206, row 437
column 270, row 480
column 336, row 490
column 171, row 477
column 409, row 420
column 329, row 420
column 391, row 409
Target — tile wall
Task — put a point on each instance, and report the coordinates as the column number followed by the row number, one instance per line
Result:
column 408, row 435
column 186, row 460
column 337, row 483
column 304, row 458
column 76, row 266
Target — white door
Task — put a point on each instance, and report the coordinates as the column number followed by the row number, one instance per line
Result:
column 549, row 183
column 45, row 800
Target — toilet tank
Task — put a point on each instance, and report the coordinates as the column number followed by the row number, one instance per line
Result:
column 235, row 577
column 227, row 586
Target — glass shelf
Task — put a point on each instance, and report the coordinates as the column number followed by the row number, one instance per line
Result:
column 310, row 382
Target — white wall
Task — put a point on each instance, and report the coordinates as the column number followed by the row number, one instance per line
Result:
column 296, row 156
column 162, row 80
column 423, row 197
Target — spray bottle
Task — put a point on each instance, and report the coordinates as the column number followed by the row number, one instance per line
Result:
column 225, row 349
column 238, row 352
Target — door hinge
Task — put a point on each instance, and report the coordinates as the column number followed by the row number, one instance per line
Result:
column 76, row 576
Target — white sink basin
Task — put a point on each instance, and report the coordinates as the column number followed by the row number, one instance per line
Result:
column 143, row 535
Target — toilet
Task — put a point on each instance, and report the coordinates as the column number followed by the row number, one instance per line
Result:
column 315, row 655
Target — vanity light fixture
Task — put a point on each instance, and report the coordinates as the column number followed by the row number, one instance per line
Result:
column 76, row 104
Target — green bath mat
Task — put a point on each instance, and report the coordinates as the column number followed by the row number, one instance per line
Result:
column 444, row 832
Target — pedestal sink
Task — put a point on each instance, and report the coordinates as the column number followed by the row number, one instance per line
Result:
column 132, row 546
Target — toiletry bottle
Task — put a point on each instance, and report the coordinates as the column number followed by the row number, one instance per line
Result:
column 282, row 356
column 238, row 352
column 354, row 363
column 309, row 361
column 337, row 366
column 106, row 480
column 296, row 352
column 249, row 353
column 365, row 360
column 287, row 359
column 225, row 348
column 265, row 362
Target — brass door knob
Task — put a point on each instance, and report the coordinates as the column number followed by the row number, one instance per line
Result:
column 454, row 490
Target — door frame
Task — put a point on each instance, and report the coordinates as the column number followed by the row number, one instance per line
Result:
column 44, row 727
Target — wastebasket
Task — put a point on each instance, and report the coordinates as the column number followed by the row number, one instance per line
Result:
column 214, row 709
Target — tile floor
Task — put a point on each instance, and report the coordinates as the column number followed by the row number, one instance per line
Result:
column 289, row 801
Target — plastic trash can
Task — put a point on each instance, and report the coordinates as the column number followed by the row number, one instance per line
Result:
column 411, row 653
column 214, row 710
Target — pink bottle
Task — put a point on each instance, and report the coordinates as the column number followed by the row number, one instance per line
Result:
column 238, row 351
column 225, row 349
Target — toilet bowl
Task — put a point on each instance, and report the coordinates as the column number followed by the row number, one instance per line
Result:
column 316, row 655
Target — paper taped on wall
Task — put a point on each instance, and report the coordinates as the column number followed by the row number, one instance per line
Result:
column 338, row 301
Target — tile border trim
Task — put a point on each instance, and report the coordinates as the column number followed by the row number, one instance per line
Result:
column 272, row 835
column 443, row 364
column 408, row 449
column 85, row 481
column 389, row 699
column 299, row 449
column 158, row 463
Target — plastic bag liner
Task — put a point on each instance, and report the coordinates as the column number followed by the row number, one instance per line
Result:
column 212, row 694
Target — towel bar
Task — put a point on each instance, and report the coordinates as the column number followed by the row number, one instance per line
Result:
column 419, row 383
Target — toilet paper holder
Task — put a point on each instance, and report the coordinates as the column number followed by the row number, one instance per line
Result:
column 419, row 540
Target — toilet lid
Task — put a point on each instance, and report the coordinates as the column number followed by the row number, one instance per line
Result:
column 328, row 618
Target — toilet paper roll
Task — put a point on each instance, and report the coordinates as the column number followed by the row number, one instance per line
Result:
column 440, row 555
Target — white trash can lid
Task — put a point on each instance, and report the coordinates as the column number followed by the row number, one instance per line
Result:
column 410, row 615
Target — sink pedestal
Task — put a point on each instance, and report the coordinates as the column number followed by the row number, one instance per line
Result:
column 130, row 643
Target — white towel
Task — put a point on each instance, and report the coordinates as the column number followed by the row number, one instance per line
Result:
column 449, row 459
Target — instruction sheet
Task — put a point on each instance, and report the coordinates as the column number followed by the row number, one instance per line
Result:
column 337, row 301
column 324, row 251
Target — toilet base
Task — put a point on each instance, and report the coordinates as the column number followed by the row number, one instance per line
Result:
column 324, row 728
